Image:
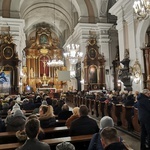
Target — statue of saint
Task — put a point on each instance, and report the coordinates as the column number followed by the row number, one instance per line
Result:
column 31, row 73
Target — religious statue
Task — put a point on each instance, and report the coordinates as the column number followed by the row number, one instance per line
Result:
column 31, row 73
column 44, row 76
column 126, row 53
column 44, row 61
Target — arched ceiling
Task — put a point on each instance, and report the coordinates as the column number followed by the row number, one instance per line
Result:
column 57, row 13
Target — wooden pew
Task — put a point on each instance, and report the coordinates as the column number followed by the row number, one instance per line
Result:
column 52, row 132
column 116, row 113
column 60, row 123
column 91, row 106
column 87, row 102
column 113, row 113
column 123, row 118
column 96, row 104
column 27, row 114
column 135, row 121
column 52, row 142
column 126, row 117
column 102, row 108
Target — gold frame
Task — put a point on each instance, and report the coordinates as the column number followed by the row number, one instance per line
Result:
column 5, row 54
column 136, row 71
column 90, row 54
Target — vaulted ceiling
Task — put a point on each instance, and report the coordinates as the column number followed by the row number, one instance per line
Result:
column 61, row 15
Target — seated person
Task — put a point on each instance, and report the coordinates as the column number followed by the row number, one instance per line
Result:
column 46, row 116
column 22, row 136
column 73, row 117
column 2, row 125
column 84, row 124
column 65, row 113
column 65, row 146
column 32, row 128
column 95, row 143
column 110, row 139
column 5, row 108
column 28, row 105
column 57, row 105
column 15, row 121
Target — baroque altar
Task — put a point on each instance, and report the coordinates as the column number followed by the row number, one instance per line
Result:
column 41, row 48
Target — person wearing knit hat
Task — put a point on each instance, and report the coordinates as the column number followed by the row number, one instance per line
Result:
column 65, row 146
column 5, row 108
column 15, row 121
column 15, row 107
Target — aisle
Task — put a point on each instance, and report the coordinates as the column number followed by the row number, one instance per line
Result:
column 132, row 142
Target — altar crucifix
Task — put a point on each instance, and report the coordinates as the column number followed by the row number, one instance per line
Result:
column 44, row 70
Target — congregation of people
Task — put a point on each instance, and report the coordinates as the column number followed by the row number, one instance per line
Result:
column 46, row 110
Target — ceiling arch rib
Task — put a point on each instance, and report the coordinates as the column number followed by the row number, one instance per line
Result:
column 43, row 11
column 6, row 8
column 81, row 5
column 14, row 9
column 91, row 16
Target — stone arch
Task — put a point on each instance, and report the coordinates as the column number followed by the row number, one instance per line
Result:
column 141, row 32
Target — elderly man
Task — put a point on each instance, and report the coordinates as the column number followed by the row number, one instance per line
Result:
column 144, row 117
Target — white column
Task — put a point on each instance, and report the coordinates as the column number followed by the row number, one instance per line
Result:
column 103, row 41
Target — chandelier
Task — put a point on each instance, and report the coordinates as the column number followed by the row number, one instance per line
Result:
column 73, row 54
column 142, row 8
column 72, row 74
column 55, row 63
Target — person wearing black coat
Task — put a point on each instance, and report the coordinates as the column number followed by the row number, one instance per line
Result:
column 65, row 113
column 110, row 139
column 84, row 124
column 144, row 117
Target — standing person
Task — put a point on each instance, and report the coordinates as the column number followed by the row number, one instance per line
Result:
column 84, row 124
column 144, row 117
column 32, row 129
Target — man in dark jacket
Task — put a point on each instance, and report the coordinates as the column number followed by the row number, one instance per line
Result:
column 110, row 139
column 83, row 125
column 144, row 117
column 32, row 129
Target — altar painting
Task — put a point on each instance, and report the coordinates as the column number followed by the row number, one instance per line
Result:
column 4, row 82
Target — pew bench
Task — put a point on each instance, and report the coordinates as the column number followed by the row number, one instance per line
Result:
column 52, row 142
column 52, row 132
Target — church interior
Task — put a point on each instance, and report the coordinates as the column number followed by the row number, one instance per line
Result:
column 102, row 44
column 55, row 46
